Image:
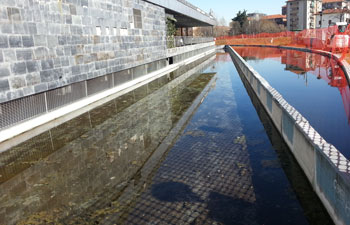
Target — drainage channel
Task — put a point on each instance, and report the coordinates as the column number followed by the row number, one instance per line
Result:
column 184, row 149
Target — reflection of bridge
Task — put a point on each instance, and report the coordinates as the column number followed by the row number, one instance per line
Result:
column 301, row 63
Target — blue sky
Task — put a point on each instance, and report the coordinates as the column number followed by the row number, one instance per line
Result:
column 229, row 8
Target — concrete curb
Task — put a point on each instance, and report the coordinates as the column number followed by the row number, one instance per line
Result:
column 325, row 167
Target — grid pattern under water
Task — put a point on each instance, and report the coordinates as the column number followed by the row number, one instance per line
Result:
column 204, row 179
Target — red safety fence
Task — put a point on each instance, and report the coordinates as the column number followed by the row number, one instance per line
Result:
column 333, row 39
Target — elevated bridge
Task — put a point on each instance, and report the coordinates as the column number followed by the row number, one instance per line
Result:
column 186, row 14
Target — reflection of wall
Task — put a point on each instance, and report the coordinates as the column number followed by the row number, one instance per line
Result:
column 90, row 155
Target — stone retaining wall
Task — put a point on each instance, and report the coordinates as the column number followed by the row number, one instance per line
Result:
column 49, row 44
column 325, row 167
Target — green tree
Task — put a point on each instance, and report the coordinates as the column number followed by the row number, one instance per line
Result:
column 171, row 31
column 241, row 17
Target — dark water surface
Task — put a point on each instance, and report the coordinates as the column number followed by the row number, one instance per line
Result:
column 187, row 149
column 313, row 84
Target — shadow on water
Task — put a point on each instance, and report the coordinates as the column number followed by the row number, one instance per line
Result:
column 312, row 207
column 228, row 210
column 174, row 192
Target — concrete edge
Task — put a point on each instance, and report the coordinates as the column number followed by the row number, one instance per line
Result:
column 35, row 126
column 187, row 48
column 325, row 167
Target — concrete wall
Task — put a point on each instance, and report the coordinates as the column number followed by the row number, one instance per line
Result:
column 49, row 44
column 326, row 168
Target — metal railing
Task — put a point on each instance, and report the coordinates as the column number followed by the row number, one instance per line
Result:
column 195, row 8
column 178, row 41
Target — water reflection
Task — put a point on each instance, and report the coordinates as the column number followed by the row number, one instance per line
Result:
column 312, row 84
column 91, row 158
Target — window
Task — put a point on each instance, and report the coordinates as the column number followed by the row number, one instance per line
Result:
column 137, row 19
column 98, row 30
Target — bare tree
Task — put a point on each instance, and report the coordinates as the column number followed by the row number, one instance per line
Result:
column 222, row 22
column 203, row 32
column 221, row 31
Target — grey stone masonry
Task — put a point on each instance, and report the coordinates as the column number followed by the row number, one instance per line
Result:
column 49, row 44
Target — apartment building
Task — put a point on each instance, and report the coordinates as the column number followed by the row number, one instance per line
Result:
column 301, row 14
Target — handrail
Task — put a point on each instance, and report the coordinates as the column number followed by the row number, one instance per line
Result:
column 178, row 41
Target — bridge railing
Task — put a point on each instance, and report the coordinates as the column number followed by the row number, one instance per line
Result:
column 179, row 41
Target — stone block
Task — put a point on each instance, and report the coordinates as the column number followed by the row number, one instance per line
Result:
column 73, row 9
column 76, row 70
column 33, row 79
column 13, row 14
column 28, row 41
column 62, row 40
column 32, row 28
column 3, row 14
column 19, row 68
column 4, row 85
column 17, row 82
column 19, row 28
column 15, row 41
column 51, row 75
column 6, row 28
column 76, row 20
column 47, row 64
column 57, row 62
column 26, row 54
column 52, row 41
column 4, row 71
column 14, row 94
column 32, row 66
column 40, row 40
column 28, row 91
column 68, row 19
column 9, row 55
column 40, row 88
column 84, row 3
column 4, row 42
column 41, row 52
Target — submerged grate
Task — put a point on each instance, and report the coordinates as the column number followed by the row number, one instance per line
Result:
column 65, row 95
column 99, row 84
column 18, row 110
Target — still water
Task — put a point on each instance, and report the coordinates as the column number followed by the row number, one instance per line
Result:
column 193, row 147
column 313, row 84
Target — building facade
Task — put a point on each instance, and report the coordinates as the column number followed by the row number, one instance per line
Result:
column 301, row 14
column 54, row 53
column 278, row 19
column 329, row 17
